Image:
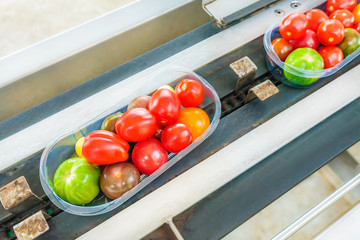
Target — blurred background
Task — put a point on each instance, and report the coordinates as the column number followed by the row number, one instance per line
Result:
column 25, row 22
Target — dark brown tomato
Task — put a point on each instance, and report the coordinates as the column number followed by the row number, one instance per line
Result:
column 117, row 179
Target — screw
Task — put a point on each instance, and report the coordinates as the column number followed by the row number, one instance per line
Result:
column 295, row 4
column 279, row 12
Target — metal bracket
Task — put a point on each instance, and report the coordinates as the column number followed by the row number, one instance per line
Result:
column 32, row 227
column 17, row 197
column 262, row 91
column 226, row 12
column 246, row 71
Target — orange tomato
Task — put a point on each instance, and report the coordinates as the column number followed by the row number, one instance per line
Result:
column 195, row 119
column 356, row 13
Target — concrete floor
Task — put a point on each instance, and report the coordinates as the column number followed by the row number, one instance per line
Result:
column 25, row 22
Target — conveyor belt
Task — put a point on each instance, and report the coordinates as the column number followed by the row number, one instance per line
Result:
column 231, row 127
column 236, row 121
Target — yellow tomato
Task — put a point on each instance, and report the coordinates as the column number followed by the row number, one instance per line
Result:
column 78, row 146
column 167, row 87
column 195, row 119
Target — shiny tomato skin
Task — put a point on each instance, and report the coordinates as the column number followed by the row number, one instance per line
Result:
column 282, row 48
column 333, row 5
column 165, row 106
column 102, row 147
column 136, row 125
column 196, row 120
column 331, row 55
column 315, row 18
column 176, row 137
column 309, row 40
column 116, row 179
column 190, row 93
column 331, row 32
column 357, row 27
column 356, row 13
column 294, row 26
column 344, row 16
column 149, row 155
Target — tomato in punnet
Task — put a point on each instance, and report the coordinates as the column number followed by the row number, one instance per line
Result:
column 356, row 13
column 344, row 16
column 190, row 93
column 333, row 5
column 139, row 102
column 149, row 155
column 109, row 122
column 103, row 147
column 309, row 40
column 331, row 32
column 331, row 55
column 117, row 179
column 282, row 48
column 136, row 125
column 78, row 147
column 351, row 42
column 357, row 27
column 196, row 120
column 306, row 59
column 158, row 132
column 294, row 26
column 165, row 106
column 77, row 181
column 315, row 18
column 167, row 87
column 176, row 137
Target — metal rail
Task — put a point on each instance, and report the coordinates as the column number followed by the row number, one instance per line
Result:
column 315, row 211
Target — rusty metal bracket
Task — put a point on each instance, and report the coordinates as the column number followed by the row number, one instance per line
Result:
column 246, row 71
column 262, row 91
column 17, row 197
column 32, row 227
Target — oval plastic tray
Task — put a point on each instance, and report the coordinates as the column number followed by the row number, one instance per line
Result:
column 276, row 66
column 63, row 147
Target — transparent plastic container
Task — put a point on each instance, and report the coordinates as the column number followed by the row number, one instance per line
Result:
column 63, row 147
column 276, row 66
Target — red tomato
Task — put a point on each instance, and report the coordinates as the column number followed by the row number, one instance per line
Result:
column 176, row 137
column 357, row 27
column 333, row 5
column 136, row 125
column 331, row 32
column 196, row 120
column 309, row 40
column 344, row 16
column 282, row 48
column 190, row 93
column 315, row 18
column 294, row 26
column 149, row 155
column 332, row 55
column 356, row 13
column 103, row 147
column 165, row 106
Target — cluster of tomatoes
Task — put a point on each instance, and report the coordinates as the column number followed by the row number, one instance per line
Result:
column 152, row 126
column 334, row 31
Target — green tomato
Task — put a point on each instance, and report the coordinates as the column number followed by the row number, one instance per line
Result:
column 109, row 122
column 77, row 181
column 350, row 43
column 302, row 58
